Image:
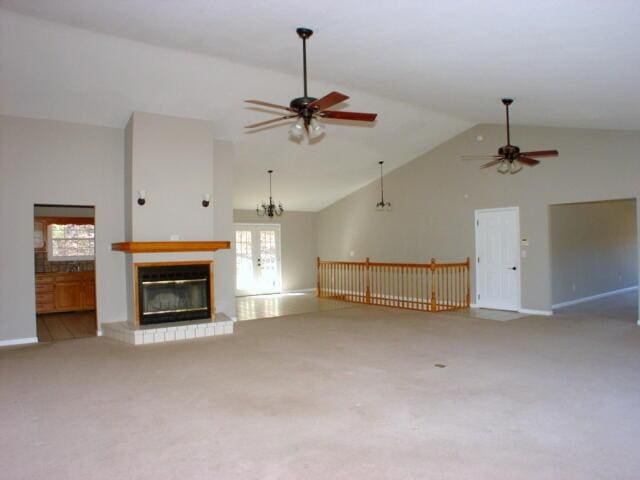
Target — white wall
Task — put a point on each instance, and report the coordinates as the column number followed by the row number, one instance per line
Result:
column 435, row 195
column 50, row 162
column 298, row 245
column 594, row 248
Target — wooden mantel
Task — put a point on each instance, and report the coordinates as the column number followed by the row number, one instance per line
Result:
column 157, row 247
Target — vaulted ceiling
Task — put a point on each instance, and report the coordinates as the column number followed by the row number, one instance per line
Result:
column 430, row 69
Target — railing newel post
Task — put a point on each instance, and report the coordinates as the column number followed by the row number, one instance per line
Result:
column 368, row 282
column 318, row 276
column 432, row 267
column 468, row 293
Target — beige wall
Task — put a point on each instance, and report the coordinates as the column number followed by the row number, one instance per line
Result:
column 49, row 162
column 298, row 232
column 59, row 163
column 594, row 248
column 174, row 159
column 434, row 198
column 63, row 211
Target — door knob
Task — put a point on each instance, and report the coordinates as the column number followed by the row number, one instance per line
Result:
column 513, row 268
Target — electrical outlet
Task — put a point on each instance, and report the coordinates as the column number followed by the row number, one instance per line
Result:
column 175, row 237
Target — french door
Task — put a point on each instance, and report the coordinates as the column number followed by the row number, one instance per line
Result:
column 498, row 258
column 257, row 259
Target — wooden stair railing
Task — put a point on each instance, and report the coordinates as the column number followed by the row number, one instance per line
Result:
column 431, row 287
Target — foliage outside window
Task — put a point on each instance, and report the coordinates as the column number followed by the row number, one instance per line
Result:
column 71, row 242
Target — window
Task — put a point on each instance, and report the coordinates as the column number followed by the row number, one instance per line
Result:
column 70, row 242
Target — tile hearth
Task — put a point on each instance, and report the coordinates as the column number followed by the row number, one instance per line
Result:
column 168, row 332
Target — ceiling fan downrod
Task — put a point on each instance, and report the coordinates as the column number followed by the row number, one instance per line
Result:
column 507, row 102
column 304, row 33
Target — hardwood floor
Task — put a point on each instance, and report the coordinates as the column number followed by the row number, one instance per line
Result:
column 65, row 326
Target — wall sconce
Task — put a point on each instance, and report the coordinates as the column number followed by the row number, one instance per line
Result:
column 206, row 199
column 142, row 197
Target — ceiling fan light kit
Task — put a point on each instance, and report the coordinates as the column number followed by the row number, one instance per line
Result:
column 309, row 109
column 509, row 158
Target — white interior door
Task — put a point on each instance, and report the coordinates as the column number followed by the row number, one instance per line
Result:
column 498, row 258
column 257, row 259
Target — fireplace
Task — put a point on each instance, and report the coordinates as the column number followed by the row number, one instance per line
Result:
column 173, row 292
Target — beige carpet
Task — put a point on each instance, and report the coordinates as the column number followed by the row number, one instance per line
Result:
column 346, row 394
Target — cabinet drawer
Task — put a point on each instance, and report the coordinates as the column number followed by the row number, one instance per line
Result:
column 44, row 279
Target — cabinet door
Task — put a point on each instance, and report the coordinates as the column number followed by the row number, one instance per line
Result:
column 68, row 296
column 39, row 235
column 89, row 293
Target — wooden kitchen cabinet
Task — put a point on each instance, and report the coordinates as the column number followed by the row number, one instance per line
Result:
column 89, row 295
column 39, row 235
column 65, row 292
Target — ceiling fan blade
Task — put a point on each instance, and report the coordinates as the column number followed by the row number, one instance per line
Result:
column 327, row 101
column 359, row 116
column 273, row 120
column 541, row 153
column 493, row 162
column 267, row 104
column 528, row 161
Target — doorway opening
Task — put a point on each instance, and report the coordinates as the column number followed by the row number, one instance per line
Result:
column 594, row 259
column 258, row 259
column 498, row 258
column 64, row 257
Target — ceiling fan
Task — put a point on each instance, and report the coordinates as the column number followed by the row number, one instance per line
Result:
column 308, row 109
column 510, row 158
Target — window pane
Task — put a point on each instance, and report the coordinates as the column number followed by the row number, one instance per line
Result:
column 72, row 240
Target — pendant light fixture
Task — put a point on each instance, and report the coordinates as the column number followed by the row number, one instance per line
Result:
column 270, row 209
column 382, row 205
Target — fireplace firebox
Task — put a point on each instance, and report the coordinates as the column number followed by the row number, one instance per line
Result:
column 173, row 292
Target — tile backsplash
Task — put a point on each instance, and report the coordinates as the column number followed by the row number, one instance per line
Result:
column 43, row 265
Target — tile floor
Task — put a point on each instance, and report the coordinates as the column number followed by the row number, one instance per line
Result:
column 65, row 326
column 623, row 306
column 281, row 304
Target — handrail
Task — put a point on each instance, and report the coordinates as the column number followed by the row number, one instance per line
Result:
column 431, row 287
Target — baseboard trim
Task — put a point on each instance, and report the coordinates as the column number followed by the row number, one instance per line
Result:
column 530, row 311
column 593, row 297
column 300, row 290
column 99, row 332
column 18, row 341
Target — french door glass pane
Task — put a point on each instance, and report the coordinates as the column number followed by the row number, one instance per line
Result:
column 268, row 259
column 244, row 260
